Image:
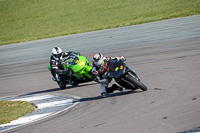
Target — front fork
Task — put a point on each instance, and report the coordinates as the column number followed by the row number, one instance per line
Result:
column 132, row 72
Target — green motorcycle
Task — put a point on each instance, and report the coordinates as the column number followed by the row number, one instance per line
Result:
column 79, row 71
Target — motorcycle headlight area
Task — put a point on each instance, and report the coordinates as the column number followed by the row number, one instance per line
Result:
column 117, row 68
column 81, row 64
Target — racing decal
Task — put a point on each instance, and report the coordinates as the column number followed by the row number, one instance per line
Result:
column 67, row 62
column 76, row 61
column 104, row 67
column 81, row 64
column 57, row 50
column 95, row 56
column 116, row 69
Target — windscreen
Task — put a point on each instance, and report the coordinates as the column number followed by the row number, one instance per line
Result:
column 71, row 60
column 116, row 68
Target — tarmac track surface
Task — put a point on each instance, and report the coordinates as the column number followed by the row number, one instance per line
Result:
column 171, row 104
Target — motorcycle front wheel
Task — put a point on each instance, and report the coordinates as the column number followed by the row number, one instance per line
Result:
column 135, row 82
column 62, row 85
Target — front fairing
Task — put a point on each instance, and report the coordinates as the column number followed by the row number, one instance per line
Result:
column 75, row 62
column 78, row 64
column 116, row 68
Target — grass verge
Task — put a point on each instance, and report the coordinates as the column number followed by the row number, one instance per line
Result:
column 25, row 20
column 11, row 110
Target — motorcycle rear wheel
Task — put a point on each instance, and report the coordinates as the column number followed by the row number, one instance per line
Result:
column 135, row 82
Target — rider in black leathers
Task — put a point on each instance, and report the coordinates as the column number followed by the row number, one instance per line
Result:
column 100, row 70
column 56, row 61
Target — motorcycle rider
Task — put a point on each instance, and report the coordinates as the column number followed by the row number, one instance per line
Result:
column 100, row 70
column 56, row 61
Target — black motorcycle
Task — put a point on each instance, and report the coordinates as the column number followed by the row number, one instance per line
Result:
column 124, row 75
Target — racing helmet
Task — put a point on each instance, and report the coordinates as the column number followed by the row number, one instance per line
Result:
column 56, row 53
column 98, row 59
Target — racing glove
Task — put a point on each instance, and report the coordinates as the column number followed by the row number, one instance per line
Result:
column 94, row 71
column 121, row 58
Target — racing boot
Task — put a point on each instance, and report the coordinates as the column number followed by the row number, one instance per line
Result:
column 53, row 79
column 56, row 79
column 103, row 90
column 104, row 94
column 120, row 89
column 113, row 88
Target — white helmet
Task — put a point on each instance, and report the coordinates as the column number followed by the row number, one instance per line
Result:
column 56, row 53
column 98, row 59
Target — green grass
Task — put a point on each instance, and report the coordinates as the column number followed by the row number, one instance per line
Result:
column 25, row 20
column 11, row 110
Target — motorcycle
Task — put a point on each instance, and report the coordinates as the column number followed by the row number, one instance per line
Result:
column 124, row 75
column 78, row 67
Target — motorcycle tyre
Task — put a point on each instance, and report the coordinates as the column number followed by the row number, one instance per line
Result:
column 62, row 85
column 125, row 85
column 135, row 82
column 75, row 84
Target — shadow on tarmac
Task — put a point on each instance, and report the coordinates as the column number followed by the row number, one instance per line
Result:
column 56, row 89
column 108, row 96
column 114, row 94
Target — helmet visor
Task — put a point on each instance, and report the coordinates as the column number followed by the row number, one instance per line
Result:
column 57, row 55
column 99, row 62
